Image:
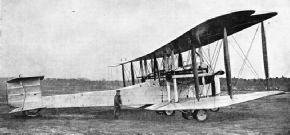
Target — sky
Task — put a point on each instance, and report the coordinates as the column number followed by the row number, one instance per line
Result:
column 80, row 39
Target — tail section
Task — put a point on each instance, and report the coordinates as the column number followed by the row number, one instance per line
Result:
column 24, row 93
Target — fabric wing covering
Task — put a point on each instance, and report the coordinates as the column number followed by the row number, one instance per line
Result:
column 208, row 32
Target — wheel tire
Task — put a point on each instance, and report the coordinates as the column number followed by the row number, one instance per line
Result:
column 31, row 113
column 201, row 115
column 188, row 115
column 169, row 112
column 215, row 109
column 159, row 112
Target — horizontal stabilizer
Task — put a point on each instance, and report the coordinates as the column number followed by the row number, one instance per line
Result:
column 211, row 102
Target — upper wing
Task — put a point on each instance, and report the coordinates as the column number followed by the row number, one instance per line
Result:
column 208, row 32
column 211, row 102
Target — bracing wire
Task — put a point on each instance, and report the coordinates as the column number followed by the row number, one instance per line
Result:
column 242, row 68
column 245, row 56
column 135, row 69
column 251, row 68
column 206, row 58
column 248, row 61
column 248, row 53
column 217, row 56
column 215, row 50
column 128, row 75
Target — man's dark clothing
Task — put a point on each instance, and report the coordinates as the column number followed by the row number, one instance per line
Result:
column 117, row 106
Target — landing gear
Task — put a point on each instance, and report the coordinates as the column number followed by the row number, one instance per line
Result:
column 166, row 112
column 159, row 112
column 201, row 115
column 169, row 112
column 31, row 113
column 188, row 114
column 215, row 109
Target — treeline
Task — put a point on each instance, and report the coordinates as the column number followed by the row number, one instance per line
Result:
column 282, row 83
column 79, row 84
column 82, row 84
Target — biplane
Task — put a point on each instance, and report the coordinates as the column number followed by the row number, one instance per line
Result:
column 167, row 86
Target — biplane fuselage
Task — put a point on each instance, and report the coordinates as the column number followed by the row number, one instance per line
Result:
column 161, row 89
column 25, row 94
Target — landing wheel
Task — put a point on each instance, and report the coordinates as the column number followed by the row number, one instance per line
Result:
column 188, row 114
column 201, row 115
column 215, row 109
column 159, row 112
column 31, row 113
column 169, row 112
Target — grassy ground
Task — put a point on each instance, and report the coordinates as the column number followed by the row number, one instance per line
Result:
column 268, row 115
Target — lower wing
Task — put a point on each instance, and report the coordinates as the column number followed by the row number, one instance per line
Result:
column 211, row 102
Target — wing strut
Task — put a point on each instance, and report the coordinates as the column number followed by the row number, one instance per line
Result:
column 156, row 69
column 146, row 68
column 142, row 71
column 180, row 60
column 200, row 54
column 132, row 74
column 153, row 69
column 166, row 62
column 194, row 68
column 123, row 74
column 227, row 63
column 265, row 55
column 174, row 79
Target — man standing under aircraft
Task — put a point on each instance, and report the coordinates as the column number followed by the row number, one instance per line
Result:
column 117, row 104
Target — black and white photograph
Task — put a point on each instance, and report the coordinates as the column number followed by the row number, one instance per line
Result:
column 145, row 67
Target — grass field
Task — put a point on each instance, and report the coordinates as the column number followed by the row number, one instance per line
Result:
column 270, row 115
